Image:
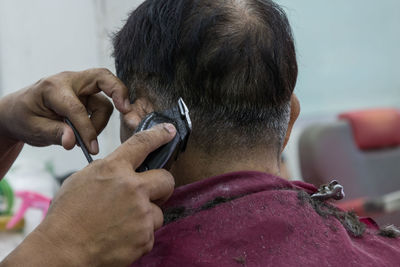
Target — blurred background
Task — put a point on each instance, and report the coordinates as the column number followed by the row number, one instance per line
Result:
column 348, row 54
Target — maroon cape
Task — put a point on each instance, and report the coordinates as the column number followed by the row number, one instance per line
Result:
column 256, row 219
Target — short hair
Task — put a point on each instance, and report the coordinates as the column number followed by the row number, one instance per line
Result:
column 232, row 61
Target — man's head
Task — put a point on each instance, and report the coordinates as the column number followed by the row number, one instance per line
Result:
column 232, row 61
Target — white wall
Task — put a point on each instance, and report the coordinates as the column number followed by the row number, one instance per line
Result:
column 43, row 37
column 348, row 52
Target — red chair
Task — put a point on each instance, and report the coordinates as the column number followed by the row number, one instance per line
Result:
column 361, row 150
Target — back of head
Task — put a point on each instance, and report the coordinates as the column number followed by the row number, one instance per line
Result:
column 232, row 61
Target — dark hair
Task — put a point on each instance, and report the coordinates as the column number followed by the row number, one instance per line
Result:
column 232, row 61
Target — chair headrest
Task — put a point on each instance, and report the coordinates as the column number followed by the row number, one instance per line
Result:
column 375, row 128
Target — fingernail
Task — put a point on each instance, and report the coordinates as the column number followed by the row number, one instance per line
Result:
column 170, row 128
column 127, row 104
column 94, row 146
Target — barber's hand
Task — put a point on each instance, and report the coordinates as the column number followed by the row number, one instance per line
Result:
column 105, row 214
column 35, row 115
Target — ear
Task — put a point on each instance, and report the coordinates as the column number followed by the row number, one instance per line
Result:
column 130, row 121
column 294, row 114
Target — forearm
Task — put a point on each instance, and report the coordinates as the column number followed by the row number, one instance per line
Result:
column 9, row 151
column 37, row 250
column 9, row 147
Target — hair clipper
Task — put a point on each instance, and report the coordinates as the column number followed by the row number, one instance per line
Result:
column 179, row 117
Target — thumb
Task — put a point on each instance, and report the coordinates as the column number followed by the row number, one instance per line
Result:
column 68, row 137
column 136, row 148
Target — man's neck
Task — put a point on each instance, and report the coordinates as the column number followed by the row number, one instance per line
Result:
column 195, row 165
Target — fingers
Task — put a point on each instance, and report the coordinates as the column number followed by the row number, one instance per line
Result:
column 136, row 148
column 92, row 81
column 71, row 94
column 158, row 217
column 101, row 109
column 159, row 185
column 66, row 104
column 56, row 132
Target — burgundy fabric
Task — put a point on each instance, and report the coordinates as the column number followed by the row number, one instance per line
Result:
column 267, row 226
column 373, row 129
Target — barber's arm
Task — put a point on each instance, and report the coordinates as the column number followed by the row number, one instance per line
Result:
column 105, row 214
column 34, row 115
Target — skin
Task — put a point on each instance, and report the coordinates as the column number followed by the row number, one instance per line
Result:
column 105, row 214
column 194, row 164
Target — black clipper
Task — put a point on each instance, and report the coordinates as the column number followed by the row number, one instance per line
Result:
column 179, row 117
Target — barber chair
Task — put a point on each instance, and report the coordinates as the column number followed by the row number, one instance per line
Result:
column 361, row 150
